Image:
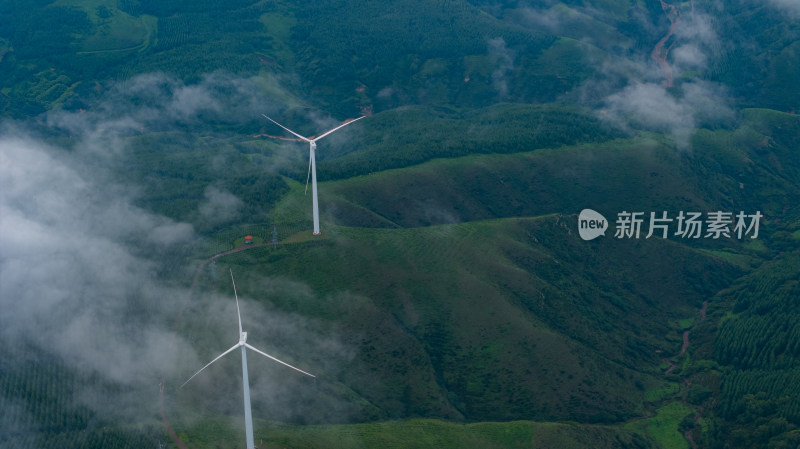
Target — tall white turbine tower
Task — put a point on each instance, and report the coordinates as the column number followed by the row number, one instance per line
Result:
column 312, row 164
column 248, row 417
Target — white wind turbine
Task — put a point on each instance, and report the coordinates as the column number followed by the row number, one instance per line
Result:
column 248, row 417
column 312, row 164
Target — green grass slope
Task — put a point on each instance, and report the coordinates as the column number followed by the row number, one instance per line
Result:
column 752, row 167
column 412, row 135
column 575, row 325
column 498, row 320
column 423, row 433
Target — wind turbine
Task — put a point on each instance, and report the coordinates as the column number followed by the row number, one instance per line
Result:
column 248, row 417
column 312, row 164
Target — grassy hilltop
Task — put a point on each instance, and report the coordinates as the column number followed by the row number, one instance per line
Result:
column 450, row 301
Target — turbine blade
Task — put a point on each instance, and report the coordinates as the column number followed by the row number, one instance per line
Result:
column 238, row 315
column 282, row 363
column 338, row 127
column 308, row 176
column 287, row 129
column 209, row 363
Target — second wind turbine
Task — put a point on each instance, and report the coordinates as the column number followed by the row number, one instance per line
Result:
column 312, row 164
column 248, row 415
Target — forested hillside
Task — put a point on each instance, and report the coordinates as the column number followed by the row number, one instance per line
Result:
column 450, row 300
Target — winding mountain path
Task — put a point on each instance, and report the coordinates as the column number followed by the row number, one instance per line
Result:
column 659, row 53
column 685, row 346
column 688, row 433
column 685, row 343
column 687, row 383
column 164, row 419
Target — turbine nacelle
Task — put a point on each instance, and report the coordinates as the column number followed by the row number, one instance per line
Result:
column 242, row 338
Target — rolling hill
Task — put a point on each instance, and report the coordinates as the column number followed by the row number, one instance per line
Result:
column 450, row 301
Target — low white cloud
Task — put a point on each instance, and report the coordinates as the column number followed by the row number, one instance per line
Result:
column 219, row 205
column 74, row 261
column 92, row 280
column 80, row 284
column 651, row 106
column 188, row 101
column 696, row 28
column 503, row 60
column 548, row 20
column 790, row 6
column 156, row 101
column 664, row 95
column 688, row 57
column 386, row 92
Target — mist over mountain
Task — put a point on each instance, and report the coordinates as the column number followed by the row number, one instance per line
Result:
column 450, row 301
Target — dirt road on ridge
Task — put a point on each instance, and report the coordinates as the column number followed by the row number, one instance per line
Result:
column 659, row 53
